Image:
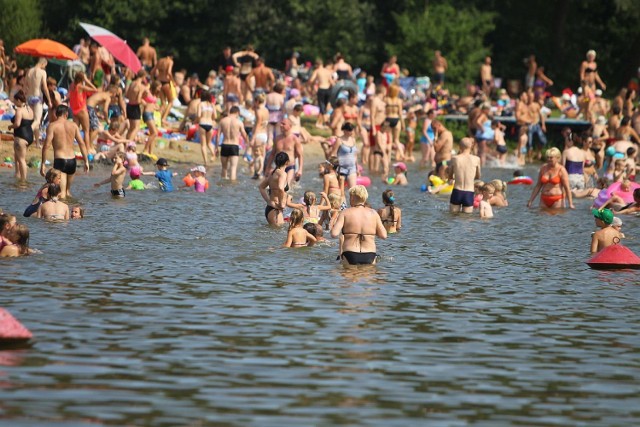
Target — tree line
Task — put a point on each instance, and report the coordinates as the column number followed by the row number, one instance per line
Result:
column 366, row 32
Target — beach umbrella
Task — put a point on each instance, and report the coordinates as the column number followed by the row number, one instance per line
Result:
column 115, row 45
column 46, row 48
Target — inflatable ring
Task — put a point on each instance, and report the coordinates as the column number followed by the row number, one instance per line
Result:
column 521, row 180
column 606, row 194
column 342, row 86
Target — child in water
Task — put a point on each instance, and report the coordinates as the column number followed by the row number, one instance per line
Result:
column 390, row 215
column 297, row 236
column 53, row 209
column 132, row 158
column 499, row 198
column 401, row 174
column 52, row 176
column 198, row 181
column 135, row 183
column 607, row 235
column 164, row 175
column 329, row 217
column 117, row 177
column 315, row 230
column 498, row 138
column 77, row 212
column 485, row 207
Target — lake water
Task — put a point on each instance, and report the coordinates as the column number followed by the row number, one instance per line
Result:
column 181, row 310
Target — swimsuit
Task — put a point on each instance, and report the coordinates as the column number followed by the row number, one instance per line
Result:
column 343, row 74
column 133, row 111
column 324, row 96
column 555, row 180
column 200, row 187
column 206, row 127
column 461, row 197
column 24, row 131
column 550, row 199
column 147, row 116
column 359, row 258
column 114, row 111
column 347, row 159
column 268, row 210
column 275, row 114
column 94, row 122
column 228, row 150
column 393, row 121
column 66, row 166
column 77, row 100
column 118, row 193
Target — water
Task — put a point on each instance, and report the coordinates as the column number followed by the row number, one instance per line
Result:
column 181, row 310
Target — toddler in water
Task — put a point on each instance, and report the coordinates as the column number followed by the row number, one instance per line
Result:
column 297, row 236
column 198, row 181
column 117, row 177
column 499, row 198
column 390, row 215
column 164, row 175
column 52, row 176
column 477, row 192
column 310, row 210
column 329, row 217
column 135, row 183
column 315, row 230
column 401, row 174
column 485, row 207
column 132, row 158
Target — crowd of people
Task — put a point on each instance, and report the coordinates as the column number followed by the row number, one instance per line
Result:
column 246, row 109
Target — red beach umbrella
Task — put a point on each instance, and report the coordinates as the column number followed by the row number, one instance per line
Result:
column 11, row 329
column 115, row 45
column 45, row 48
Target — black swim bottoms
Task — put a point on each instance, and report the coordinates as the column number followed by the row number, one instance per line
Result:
column 393, row 121
column 324, row 96
column 268, row 210
column 118, row 193
column 133, row 112
column 501, row 149
column 206, row 127
column 67, row 166
column 228, row 150
column 459, row 197
column 359, row 258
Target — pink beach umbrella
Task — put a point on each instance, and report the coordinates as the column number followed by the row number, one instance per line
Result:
column 115, row 45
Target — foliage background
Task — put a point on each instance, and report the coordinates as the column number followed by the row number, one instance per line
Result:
column 559, row 32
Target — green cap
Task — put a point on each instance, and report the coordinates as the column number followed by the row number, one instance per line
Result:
column 605, row 215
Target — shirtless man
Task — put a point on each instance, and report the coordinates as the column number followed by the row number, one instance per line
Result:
column 61, row 135
column 289, row 143
column 163, row 71
column 134, row 98
column 99, row 101
column 263, row 75
column 440, row 66
column 232, row 92
column 232, row 129
column 464, row 168
column 377, row 117
column 83, row 53
column 486, row 76
column 147, row 54
column 530, row 77
column 607, row 235
column 323, row 77
column 443, row 145
column 36, row 90
column 537, row 127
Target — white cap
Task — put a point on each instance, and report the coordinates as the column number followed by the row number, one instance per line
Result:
column 617, row 222
column 199, row 169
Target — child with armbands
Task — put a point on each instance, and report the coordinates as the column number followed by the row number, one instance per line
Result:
column 477, row 193
column 198, row 181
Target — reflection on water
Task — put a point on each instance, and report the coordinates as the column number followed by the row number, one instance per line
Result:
column 182, row 310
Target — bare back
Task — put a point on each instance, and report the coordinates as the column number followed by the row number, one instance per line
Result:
column 465, row 169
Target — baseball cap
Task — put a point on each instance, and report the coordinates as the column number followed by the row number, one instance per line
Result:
column 229, row 69
column 605, row 215
column 400, row 165
column 200, row 169
column 162, row 162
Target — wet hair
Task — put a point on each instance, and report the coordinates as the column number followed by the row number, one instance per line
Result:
column 281, row 159
column 61, row 110
column 500, row 186
column 20, row 96
column 518, row 173
column 53, row 190
column 80, row 210
column 309, row 198
column 630, row 151
column 19, row 235
column 295, row 218
column 234, row 110
column 52, row 174
column 389, row 200
column 5, row 219
column 314, row 229
column 347, row 127
column 488, row 188
column 636, row 193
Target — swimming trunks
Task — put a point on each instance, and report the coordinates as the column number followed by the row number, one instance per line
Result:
column 67, row 166
column 114, row 111
column 118, row 193
column 359, row 258
column 324, row 96
column 133, row 112
column 550, row 199
column 460, row 197
column 262, row 138
column 228, row 150
column 502, row 149
column 290, row 168
column 146, row 116
column 94, row 122
column 372, row 137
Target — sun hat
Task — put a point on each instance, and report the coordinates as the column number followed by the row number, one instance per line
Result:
column 400, row 165
column 605, row 215
column 200, row 169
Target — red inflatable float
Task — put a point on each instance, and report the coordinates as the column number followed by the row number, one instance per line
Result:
column 614, row 257
column 521, row 180
column 11, row 329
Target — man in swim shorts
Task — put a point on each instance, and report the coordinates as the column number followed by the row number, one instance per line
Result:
column 147, row 54
column 61, row 135
column 443, row 144
column 324, row 78
column 232, row 129
column 464, row 169
column 289, row 143
column 134, row 98
column 37, row 92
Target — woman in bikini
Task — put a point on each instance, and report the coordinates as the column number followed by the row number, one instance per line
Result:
column 53, row 209
column 22, row 134
column 151, row 101
column 364, row 120
column 390, row 215
column 393, row 112
column 260, row 135
column 553, row 182
column 589, row 72
column 359, row 225
column 273, row 189
column 206, row 119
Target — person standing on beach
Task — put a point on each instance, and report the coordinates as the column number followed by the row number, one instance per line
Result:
column 147, row 54
column 163, row 72
column 288, row 143
column 486, row 76
column 37, row 92
column 232, row 129
column 61, row 135
column 134, row 98
column 323, row 77
column 263, row 75
column 440, row 66
column 464, row 169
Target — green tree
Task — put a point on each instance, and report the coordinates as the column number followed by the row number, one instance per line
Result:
column 20, row 21
column 458, row 33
